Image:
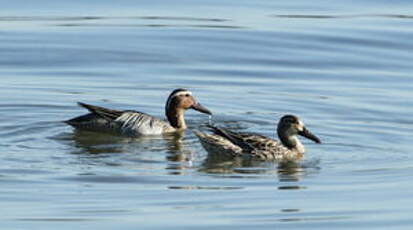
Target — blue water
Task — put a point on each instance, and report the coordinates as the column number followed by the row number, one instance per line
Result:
column 344, row 67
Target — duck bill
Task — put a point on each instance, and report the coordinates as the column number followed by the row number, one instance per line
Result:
column 307, row 134
column 197, row 106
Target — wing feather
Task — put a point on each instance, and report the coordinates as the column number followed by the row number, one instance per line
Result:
column 109, row 114
column 233, row 137
column 131, row 122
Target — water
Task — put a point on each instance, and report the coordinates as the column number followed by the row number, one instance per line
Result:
column 343, row 67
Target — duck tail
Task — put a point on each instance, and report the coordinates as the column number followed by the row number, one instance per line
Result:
column 229, row 135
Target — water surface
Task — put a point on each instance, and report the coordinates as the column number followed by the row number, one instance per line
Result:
column 344, row 68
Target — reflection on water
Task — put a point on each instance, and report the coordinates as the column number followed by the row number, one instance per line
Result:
column 96, row 143
column 286, row 171
column 290, row 171
column 101, row 146
column 179, row 156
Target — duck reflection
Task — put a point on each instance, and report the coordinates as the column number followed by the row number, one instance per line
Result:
column 289, row 171
column 286, row 171
column 122, row 150
column 94, row 143
column 175, row 147
column 179, row 158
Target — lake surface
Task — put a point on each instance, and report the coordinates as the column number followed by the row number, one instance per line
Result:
column 344, row 67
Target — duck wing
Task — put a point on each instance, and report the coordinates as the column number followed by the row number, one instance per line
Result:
column 142, row 123
column 262, row 147
column 108, row 114
column 239, row 139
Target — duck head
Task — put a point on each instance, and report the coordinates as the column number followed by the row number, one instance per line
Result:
column 289, row 127
column 178, row 102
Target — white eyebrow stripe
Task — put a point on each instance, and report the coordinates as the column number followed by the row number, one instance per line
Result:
column 176, row 95
column 181, row 93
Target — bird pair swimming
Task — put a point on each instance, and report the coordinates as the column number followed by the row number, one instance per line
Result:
column 134, row 123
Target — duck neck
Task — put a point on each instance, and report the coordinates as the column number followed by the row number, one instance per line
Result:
column 292, row 142
column 176, row 118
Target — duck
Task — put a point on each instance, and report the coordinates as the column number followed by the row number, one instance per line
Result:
column 134, row 123
column 257, row 147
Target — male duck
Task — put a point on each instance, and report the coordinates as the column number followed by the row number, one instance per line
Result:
column 134, row 123
column 253, row 146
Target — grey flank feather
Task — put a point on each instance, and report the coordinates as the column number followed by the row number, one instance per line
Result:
column 133, row 121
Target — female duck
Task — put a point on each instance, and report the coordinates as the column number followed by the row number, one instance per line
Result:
column 134, row 123
column 259, row 147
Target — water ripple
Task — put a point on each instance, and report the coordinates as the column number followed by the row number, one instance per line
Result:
column 308, row 16
column 345, row 68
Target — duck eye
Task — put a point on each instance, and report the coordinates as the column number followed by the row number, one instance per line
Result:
column 186, row 95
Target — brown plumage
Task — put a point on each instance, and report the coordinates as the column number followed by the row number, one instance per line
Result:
column 258, row 147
